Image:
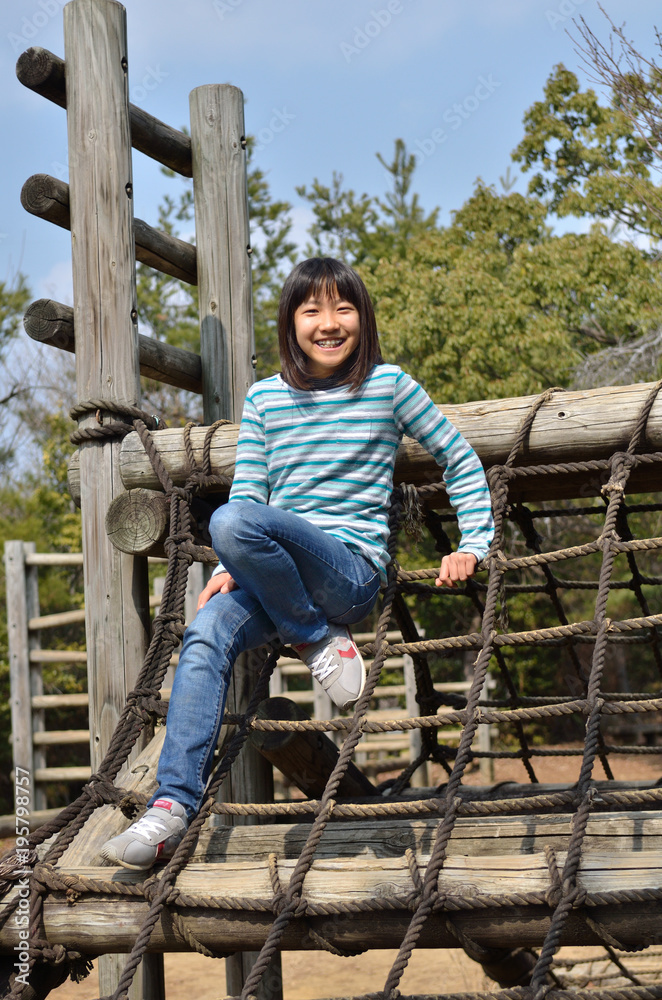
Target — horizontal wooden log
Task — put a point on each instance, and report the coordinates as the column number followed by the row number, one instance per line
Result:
column 57, row 619
column 62, row 773
column 57, row 656
column 58, row 737
column 48, row 198
column 60, row 700
column 43, row 72
column 52, row 323
column 8, row 821
column 569, row 427
column 307, row 759
column 54, row 558
column 136, row 521
column 96, row 924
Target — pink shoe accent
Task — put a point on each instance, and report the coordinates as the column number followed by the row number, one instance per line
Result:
column 163, row 804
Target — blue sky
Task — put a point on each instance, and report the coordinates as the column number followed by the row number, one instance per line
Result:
column 341, row 78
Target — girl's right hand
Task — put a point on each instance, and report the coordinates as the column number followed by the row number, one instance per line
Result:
column 221, row 583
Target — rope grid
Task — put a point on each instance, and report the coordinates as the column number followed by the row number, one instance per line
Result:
column 522, row 715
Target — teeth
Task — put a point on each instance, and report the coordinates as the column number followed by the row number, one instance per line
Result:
column 329, row 343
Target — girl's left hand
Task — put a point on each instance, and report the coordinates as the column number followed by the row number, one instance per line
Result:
column 458, row 566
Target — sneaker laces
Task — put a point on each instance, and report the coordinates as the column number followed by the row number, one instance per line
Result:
column 149, row 825
column 321, row 664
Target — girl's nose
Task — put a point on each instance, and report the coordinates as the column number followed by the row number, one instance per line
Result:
column 328, row 320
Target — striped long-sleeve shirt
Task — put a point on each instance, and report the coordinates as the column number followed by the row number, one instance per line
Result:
column 328, row 455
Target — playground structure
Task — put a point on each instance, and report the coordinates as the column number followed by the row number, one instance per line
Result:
column 499, row 870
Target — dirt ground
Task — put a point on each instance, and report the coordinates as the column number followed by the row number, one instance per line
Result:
column 319, row 974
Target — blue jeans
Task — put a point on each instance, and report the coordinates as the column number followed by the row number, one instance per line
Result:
column 293, row 578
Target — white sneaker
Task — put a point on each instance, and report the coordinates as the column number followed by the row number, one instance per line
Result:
column 337, row 664
column 155, row 835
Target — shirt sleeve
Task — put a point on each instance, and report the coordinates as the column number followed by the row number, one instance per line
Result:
column 464, row 477
column 251, row 479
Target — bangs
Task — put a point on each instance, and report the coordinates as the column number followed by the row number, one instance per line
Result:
column 323, row 277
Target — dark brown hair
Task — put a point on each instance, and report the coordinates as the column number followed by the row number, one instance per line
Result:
column 322, row 277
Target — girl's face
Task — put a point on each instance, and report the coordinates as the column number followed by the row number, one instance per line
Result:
column 327, row 331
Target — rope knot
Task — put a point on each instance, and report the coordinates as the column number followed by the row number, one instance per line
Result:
column 412, row 512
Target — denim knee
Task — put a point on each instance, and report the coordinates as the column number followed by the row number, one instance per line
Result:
column 224, row 525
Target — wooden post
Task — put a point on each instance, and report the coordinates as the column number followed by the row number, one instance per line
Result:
column 36, row 682
column 105, row 322
column 19, row 666
column 227, row 353
column 420, row 778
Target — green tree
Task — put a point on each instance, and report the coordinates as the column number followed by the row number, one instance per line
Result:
column 362, row 229
column 495, row 305
column 13, row 300
column 593, row 159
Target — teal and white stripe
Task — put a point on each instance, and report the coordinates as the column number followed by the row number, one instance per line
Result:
column 328, row 455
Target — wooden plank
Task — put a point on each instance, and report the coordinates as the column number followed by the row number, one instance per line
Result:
column 48, row 198
column 594, row 424
column 351, row 879
column 57, row 656
column 19, row 668
column 75, row 773
column 42, row 71
column 61, row 701
column 57, row 619
column 54, row 559
column 51, row 322
column 606, row 833
column 56, row 737
column 105, row 321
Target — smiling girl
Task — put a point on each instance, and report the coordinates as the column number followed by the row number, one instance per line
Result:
column 302, row 540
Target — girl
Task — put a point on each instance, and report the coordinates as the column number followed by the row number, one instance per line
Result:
column 303, row 537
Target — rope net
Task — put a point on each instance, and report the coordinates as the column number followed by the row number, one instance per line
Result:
column 547, row 560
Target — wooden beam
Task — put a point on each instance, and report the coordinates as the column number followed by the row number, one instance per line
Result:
column 307, row 758
column 48, row 198
column 138, row 520
column 94, row 923
column 52, row 323
column 570, row 427
column 44, row 73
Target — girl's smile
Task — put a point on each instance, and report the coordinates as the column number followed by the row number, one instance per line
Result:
column 327, row 331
